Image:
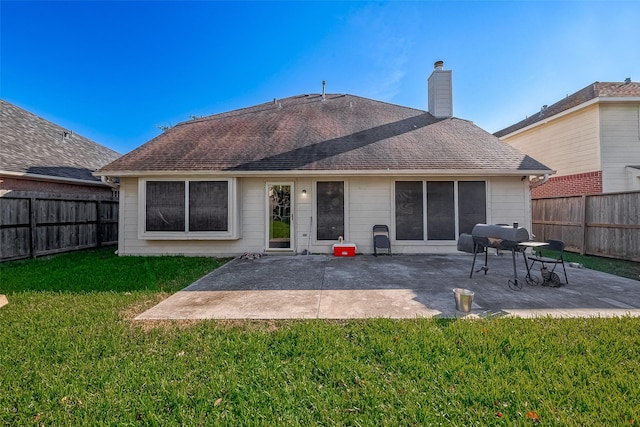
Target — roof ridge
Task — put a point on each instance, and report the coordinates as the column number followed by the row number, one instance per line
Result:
column 279, row 103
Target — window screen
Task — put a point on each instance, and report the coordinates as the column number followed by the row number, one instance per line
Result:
column 440, row 211
column 208, row 206
column 472, row 205
column 409, row 210
column 330, row 207
column 165, row 206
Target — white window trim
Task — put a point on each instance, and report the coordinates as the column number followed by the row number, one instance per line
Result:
column 233, row 224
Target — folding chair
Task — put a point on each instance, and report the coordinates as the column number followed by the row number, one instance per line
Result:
column 552, row 245
column 381, row 239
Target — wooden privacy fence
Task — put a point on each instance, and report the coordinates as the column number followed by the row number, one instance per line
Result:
column 605, row 225
column 36, row 226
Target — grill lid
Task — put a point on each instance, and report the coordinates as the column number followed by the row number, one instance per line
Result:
column 499, row 236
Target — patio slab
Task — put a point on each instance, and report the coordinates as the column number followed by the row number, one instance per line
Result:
column 401, row 286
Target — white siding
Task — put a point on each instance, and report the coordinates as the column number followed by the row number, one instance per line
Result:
column 440, row 97
column 368, row 200
column 509, row 202
column 569, row 144
column 252, row 217
column 620, row 140
column 303, row 215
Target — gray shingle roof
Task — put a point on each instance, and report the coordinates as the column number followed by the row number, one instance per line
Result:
column 33, row 145
column 594, row 90
column 307, row 134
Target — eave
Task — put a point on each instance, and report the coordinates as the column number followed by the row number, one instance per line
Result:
column 50, row 178
column 311, row 173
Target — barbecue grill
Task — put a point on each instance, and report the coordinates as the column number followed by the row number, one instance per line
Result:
column 499, row 237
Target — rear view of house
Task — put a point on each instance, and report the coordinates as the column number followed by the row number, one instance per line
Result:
column 591, row 137
column 298, row 173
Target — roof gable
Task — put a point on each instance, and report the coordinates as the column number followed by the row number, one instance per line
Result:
column 309, row 133
column 594, row 90
column 33, row 145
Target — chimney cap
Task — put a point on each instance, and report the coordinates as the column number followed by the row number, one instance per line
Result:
column 438, row 65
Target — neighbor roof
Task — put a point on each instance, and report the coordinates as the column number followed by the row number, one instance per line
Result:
column 594, row 90
column 32, row 145
column 308, row 134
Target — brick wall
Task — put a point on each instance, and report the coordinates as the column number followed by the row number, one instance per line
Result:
column 570, row 185
column 52, row 189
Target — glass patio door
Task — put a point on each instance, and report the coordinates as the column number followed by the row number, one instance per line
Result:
column 279, row 227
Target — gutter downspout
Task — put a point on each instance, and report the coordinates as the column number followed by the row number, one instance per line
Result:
column 538, row 183
column 111, row 182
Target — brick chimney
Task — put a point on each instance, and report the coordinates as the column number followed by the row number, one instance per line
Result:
column 439, row 91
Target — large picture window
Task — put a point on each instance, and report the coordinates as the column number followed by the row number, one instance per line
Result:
column 182, row 207
column 451, row 208
column 330, row 208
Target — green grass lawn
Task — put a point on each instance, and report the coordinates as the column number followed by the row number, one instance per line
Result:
column 280, row 229
column 630, row 270
column 74, row 356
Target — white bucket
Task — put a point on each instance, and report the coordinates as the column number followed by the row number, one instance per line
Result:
column 464, row 299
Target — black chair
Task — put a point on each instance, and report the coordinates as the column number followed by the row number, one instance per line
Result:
column 381, row 239
column 558, row 247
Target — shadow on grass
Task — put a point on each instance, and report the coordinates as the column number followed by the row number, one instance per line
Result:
column 102, row 270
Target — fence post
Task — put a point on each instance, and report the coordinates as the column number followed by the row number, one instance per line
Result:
column 33, row 245
column 583, row 249
column 98, row 225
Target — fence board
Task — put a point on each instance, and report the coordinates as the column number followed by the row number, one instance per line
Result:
column 603, row 224
column 31, row 227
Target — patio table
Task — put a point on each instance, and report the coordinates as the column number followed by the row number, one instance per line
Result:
column 523, row 246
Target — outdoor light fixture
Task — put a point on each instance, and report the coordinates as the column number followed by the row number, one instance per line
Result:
column 304, row 192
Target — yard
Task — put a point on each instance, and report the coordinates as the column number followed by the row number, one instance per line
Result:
column 72, row 355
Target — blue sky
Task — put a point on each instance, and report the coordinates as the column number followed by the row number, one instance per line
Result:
column 114, row 71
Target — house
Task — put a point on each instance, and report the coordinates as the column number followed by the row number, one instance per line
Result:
column 296, row 174
column 39, row 156
column 592, row 139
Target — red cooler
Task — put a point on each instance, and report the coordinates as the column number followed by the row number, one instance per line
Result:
column 344, row 249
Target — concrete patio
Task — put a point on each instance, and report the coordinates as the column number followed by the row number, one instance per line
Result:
column 401, row 286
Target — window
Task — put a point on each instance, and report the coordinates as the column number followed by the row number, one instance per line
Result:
column 441, row 215
column 409, row 210
column 451, row 208
column 330, row 208
column 199, row 209
column 165, row 206
column 472, row 205
column 208, row 209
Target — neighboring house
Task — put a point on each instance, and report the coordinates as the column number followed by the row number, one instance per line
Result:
column 295, row 174
column 39, row 156
column 591, row 138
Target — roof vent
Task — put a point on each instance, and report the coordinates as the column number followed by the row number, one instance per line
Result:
column 627, row 80
column 544, row 107
column 324, row 83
